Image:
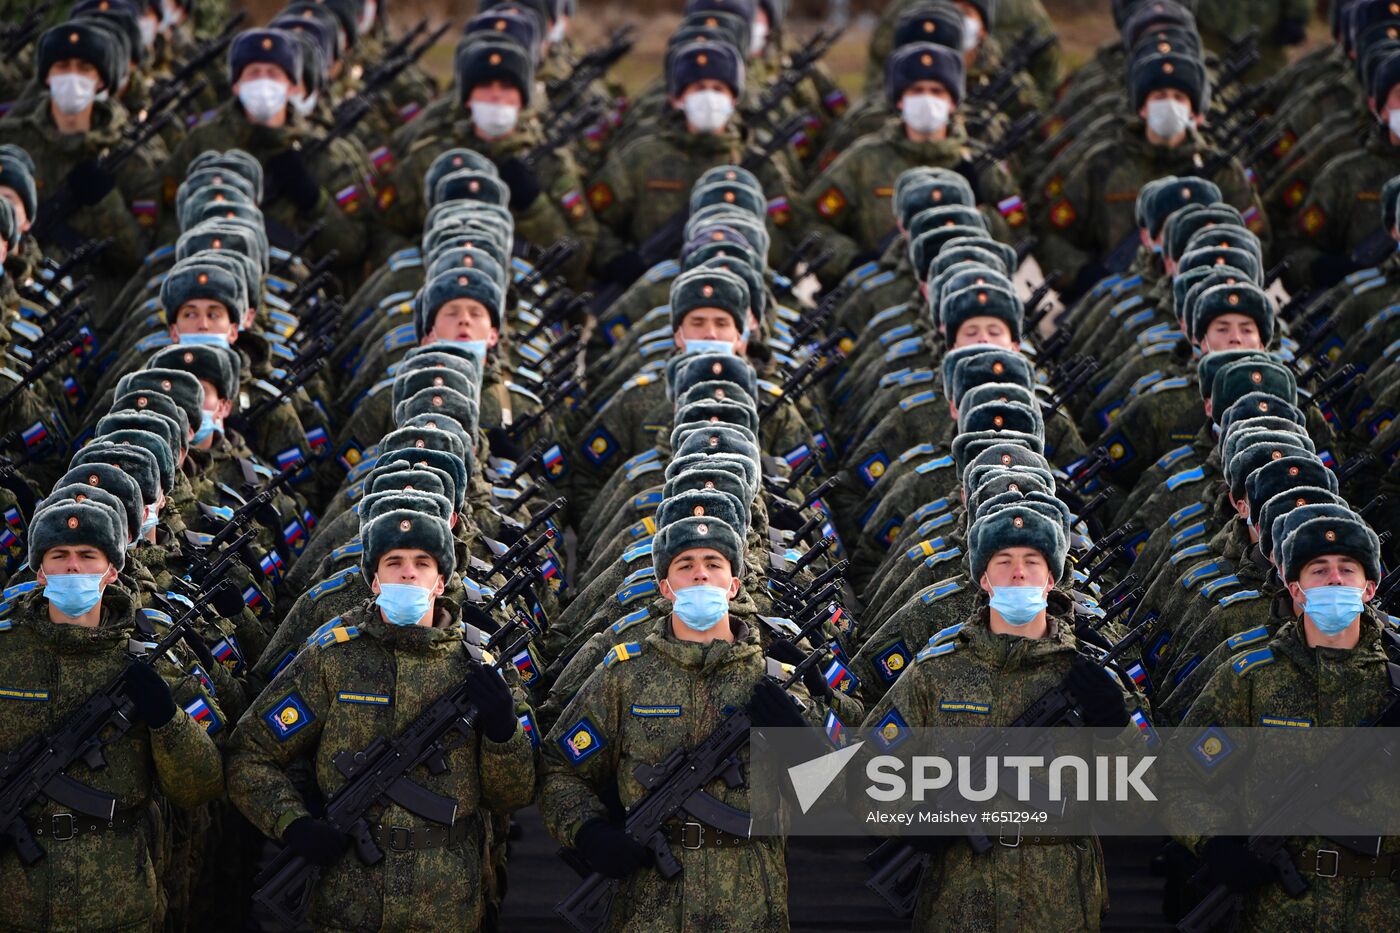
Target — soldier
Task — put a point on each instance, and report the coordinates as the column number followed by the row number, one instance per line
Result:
column 669, row 689
column 70, row 127
column 495, row 92
column 308, row 177
column 1092, row 211
column 647, row 183
column 925, row 83
column 1326, row 667
column 1282, row 24
column 371, row 676
column 986, row 671
column 65, row 640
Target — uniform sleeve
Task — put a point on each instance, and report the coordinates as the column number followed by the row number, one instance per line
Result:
column 567, row 208
column 1067, row 225
column 579, row 758
column 611, row 199
column 188, row 768
column 829, row 204
column 283, row 724
column 507, row 769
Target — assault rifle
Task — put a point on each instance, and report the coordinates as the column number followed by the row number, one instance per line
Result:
column 898, row 865
column 38, row 768
column 795, row 70
column 380, row 772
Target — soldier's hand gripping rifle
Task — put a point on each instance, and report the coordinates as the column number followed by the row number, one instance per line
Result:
column 674, row 787
column 1299, row 800
column 379, row 773
column 898, row 865
column 38, row 768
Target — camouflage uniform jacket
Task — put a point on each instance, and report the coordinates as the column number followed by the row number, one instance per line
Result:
column 106, row 879
column 649, row 697
column 365, row 680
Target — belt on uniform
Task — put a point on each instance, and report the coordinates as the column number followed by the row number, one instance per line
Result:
column 404, row 839
column 63, row 826
column 692, row 834
column 1341, row 863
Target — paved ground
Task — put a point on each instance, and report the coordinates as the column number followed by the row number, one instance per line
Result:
column 827, row 885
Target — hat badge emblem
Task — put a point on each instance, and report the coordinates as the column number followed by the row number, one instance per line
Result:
column 703, row 528
column 1012, row 487
column 73, row 38
column 1263, row 406
column 93, row 480
column 461, row 280
column 702, row 59
column 473, row 186
column 1330, row 535
column 926, row 60
column 1006, row 460
column 1168, row 68
column 1234, row 299
column 267, row 43
column 495, row 58
column 1185, row 194
column 998, row 421
column 930, row 26
column 698, row 511
column 218, row 244
column 936, row 194
column 981, row 298
column 1256, row 377
column 1300, row 501
column 998, row 368
column 1018, row 521
column 1293, row 471
column 420, row 443
column 707, row 291
column 730, row 175
column 1276, row 455
column 717, row 368
column 500, row 25
column 204, row 278
column 729, row 197
column 714, row 440
column 188, row 357
column 73, row 521
column 142, row 401
column 709, row 484
column 405, row 525
column 165, row 384
column 437, row 380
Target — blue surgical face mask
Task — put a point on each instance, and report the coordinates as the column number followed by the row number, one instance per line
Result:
column 1018, row 605
column 701, row 607
column 1332, row 608
column 710, row 346
column 204, row 340
column 74, row 593
column 403, row 603
column 476, row 348
column 207, row 426
column 149, row 517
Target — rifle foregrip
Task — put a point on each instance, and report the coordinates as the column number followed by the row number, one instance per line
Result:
column 284, row 887
column 25, row 846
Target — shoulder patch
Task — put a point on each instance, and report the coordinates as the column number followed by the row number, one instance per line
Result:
column 934, row 651
column 1186, row 514
column 1201, row 573
column 1246, row 638
column 288, row 716
column 1240, row 597
column 1251, row 659
column 338, row 636
column 581, row 741
column 620, row 653
column 890, row 662
column 353, row 549
column 945, row 634
column 1166, row 461
column 363, row 699
column 332, row 584
column 941, row 591
column 642, row 589
column 629, row 620
column 1178, row 480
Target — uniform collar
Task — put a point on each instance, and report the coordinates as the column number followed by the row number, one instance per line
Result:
column 692, row 656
